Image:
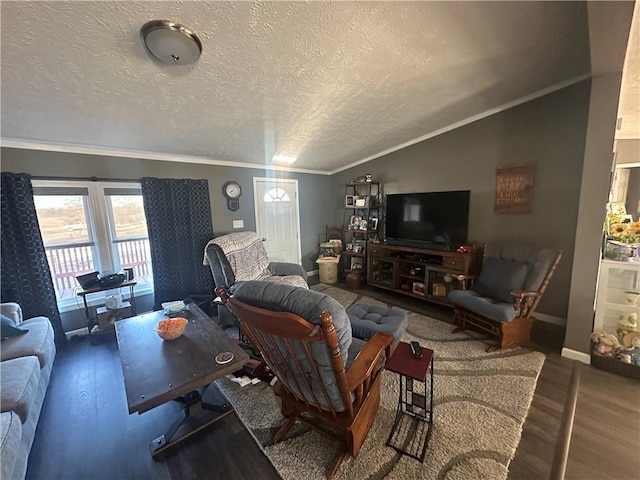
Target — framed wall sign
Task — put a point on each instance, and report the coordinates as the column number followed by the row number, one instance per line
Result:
column 514, row 189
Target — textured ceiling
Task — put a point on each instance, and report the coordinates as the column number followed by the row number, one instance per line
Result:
column 332, row 83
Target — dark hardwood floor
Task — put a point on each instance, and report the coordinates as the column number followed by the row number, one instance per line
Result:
column 85, row 431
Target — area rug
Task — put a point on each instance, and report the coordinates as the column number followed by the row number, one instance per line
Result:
column 481, row 401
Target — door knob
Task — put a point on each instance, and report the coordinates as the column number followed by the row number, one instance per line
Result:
column 264, row 239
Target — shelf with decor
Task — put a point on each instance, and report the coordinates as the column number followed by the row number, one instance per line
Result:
column 618, row 296
column 362, row 212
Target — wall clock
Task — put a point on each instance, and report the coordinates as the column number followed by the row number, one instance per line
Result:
column 232, row 191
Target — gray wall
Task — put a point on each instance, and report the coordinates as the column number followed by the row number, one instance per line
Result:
column 312, row 192
column 598, row 158
column 548, row 132
column 312, row 188
column 628, row 152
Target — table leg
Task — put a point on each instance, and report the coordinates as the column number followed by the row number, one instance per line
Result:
column 412, row 426
column 133, row 299
column 195, row 415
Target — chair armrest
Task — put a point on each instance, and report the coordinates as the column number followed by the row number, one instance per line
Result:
column 465, row 280
column 13, row 311
column 524, row 301
column 367, row 360
column 523, row 293
column 283, row 268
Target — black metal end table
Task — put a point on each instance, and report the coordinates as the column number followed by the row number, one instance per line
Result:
column 414, row 418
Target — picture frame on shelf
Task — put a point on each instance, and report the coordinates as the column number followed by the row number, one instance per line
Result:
column 374, row 223
column 363, row 225
column 349, row 201
column 354, row 222
column 360, row 201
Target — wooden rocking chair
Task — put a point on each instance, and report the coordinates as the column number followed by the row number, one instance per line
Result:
column 503, row 299
column 322, row 380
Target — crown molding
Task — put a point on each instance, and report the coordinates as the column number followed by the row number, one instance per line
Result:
column 167, row 157
column 163, row 157
column 475, row 118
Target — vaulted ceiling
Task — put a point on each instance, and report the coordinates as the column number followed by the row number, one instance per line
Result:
column 330, row 83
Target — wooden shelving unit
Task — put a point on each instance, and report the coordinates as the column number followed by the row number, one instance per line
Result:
column 363, row 203
column 418, row 272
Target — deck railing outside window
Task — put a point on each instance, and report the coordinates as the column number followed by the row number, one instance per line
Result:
column 66, row 262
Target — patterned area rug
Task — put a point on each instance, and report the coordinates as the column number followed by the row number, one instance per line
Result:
column 481, row 401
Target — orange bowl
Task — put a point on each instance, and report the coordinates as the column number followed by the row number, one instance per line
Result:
column 171, row 328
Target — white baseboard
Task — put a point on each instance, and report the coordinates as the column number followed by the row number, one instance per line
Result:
column 78, row 332
column 575, row 355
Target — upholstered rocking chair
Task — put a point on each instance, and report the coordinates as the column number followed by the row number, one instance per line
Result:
column 241, row 256
column 325, row 377
column 504, row 297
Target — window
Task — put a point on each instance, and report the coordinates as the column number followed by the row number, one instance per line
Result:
column 91, row 226
column 276, row 194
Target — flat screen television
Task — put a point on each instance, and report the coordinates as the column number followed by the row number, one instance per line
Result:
column 438, row 220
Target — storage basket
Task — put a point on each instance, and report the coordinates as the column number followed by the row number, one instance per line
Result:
column 612, row 365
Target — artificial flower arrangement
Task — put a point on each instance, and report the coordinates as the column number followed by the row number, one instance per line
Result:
column 465, row 249
column 621, row 229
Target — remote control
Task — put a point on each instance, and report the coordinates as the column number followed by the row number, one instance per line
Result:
column 415, row 349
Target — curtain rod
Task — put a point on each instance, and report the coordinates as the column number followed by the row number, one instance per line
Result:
column 86, row 179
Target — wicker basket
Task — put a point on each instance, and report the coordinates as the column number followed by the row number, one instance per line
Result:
column 610, row 364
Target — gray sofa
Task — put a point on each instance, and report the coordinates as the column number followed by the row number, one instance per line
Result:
column 25, row 369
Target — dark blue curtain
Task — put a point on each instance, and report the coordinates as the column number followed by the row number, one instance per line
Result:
column 25, row 277
column 179, row 223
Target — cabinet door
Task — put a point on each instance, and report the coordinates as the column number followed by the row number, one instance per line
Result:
column 382, row 272
column 618, row 301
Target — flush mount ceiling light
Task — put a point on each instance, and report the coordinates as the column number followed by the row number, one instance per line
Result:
column 284, row 159
column 170, row 42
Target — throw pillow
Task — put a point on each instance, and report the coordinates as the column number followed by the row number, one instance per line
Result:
column 498, row 277
column 8, row 328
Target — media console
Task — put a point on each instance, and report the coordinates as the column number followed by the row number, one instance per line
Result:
column 418, row 272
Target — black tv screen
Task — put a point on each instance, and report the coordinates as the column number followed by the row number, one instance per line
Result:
column 435, row 219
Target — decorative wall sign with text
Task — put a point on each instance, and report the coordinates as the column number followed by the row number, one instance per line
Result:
column 514, row 189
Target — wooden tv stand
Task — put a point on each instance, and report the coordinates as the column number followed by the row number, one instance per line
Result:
column 418, row 272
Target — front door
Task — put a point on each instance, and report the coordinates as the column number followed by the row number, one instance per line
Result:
column 277, row 219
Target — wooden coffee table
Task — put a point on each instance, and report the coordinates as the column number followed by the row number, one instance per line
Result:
column 157, row 371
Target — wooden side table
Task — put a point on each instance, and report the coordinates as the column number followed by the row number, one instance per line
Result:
column 92, row 320
column 414, row 417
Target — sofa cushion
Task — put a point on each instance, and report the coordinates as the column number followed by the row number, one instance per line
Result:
column 36, row 342
column 20, row 378
column 499, row 277
column 10, row 436
column 485, row 306
column 8, row 329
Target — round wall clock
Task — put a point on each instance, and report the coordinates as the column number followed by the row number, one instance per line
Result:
column 232, row 191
